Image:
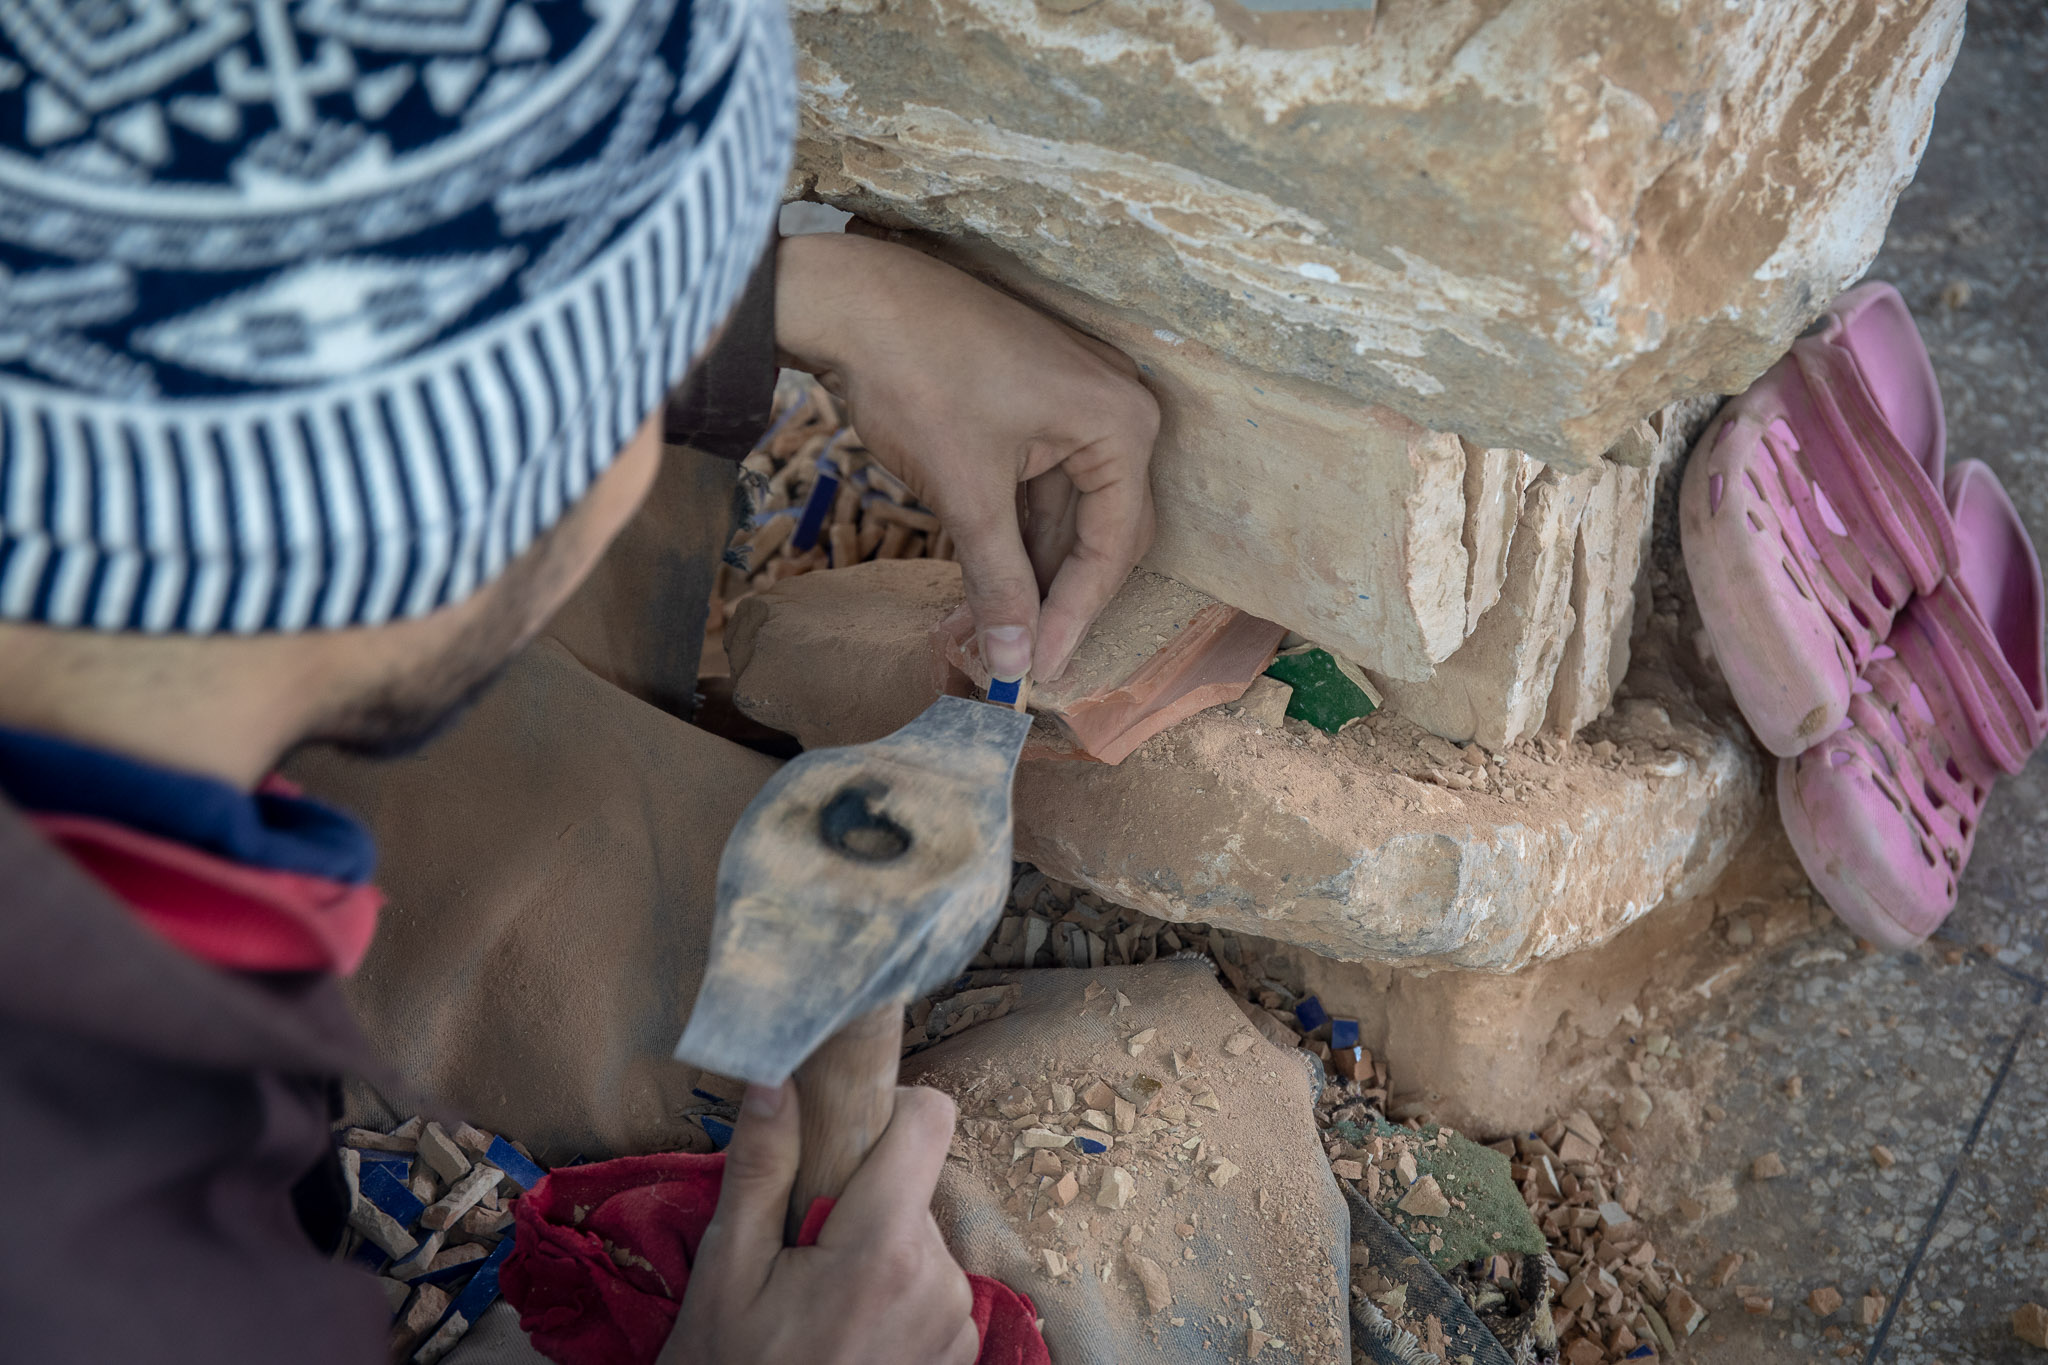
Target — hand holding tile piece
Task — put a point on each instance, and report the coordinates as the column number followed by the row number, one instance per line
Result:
column 1159, row 653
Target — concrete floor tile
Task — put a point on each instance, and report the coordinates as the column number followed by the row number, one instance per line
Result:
column 1909, row 1052
column 2003, row 904
column 1898, row 1052
column 1989, row 1251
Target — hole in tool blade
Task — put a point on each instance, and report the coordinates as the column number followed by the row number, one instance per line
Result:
column 850, row 824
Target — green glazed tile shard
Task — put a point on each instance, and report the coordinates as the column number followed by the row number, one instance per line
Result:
column 1328, row 692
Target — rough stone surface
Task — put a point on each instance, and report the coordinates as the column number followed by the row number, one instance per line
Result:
column 1331, row 848
column 1548, row 652
column 1496, row 687
column 1289, row 500
column 1491, row 1053
column 1391, row 545
column 848, row 657
column 1382, row 843
column 1527, row 222
column 1495, row 481
column 1606, row 553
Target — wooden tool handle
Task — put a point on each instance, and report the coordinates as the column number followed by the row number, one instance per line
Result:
column 845, row 1094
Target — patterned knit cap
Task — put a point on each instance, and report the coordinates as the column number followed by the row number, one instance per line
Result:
column 315, row 313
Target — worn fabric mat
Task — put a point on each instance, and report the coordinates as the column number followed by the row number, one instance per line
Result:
column 1233, row 1206
column 638, row 620
column 1426, row 1294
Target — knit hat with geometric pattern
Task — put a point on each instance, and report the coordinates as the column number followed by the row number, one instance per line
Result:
column 315, row 313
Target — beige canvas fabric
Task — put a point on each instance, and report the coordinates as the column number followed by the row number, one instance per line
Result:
column 1269, row 1244
column 638, row 620
column 549, row 864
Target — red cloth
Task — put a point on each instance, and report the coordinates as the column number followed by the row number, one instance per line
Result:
column 251, row 919
column 604, row 1251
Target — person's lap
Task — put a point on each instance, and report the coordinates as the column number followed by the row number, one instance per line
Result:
column 550, row 864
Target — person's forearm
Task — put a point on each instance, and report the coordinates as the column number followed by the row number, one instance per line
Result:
column 837, row 292
column 966, row 393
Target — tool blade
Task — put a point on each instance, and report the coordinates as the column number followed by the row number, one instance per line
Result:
column 858, row 876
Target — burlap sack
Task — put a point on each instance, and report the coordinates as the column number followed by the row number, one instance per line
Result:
column 550, row 866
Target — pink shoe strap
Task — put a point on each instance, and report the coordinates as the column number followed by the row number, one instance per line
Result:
column 1880, row 472
column 1891, row 719
column 1846, row 591
column 1950, row 647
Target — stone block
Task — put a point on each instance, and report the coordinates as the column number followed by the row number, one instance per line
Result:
column 1291, row 501
column 1527, row 223
column 1607, row 550
column 1496, row 687
column 1610, row 579
column 1386, row 543
column 1492, row 1053
column 846, row 656
column 1495, row 481
column 1337, row 850
column 1380, row 844
column 1547, row 653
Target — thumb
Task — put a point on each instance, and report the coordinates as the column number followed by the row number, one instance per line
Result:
column 1002, row 590
column 745, row 1233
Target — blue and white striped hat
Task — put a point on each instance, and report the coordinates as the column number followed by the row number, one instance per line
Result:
column 315, row 313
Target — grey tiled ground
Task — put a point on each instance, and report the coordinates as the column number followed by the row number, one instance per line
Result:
column 1903, row 1052
column 1990, row 1241
column 1974, row 215
column 1944, row 1062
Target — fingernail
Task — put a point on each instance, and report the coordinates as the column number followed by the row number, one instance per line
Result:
column 762, row 1101
column 1007, row 651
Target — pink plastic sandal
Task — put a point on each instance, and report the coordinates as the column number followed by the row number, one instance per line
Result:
column 1812, row 510
column 1884, row 813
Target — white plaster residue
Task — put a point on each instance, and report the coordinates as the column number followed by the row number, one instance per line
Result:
column 1391, row 68
column 1170, row 338
column 1874, row 181
column 1408, row 377
column 1236, row 240
column 1496, row 297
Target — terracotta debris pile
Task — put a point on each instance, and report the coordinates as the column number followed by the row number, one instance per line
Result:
column 819, row 501
column 1616, row 1297
column 431, row 1214
column 1453, row 1201
column 1050, row 924
column 1611, row 1295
